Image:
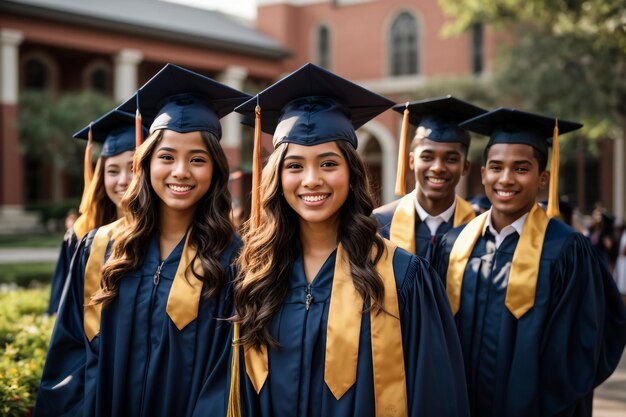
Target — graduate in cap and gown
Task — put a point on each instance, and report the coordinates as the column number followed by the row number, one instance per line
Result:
column 103, row 188
column 538, row 315
column 331, row 319
column 142, row 329
column 438, row 159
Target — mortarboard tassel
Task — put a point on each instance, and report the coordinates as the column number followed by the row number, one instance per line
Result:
column 234, row 400
column 138, row 132
column 257, row 166
column 553, row 191
column 87, row 170
column 402, row 154
column 234, row 395
column 138, row 127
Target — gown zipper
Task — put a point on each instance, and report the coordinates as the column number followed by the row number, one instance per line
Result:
column 157, row 275
column 155, row 280
column 309, row 297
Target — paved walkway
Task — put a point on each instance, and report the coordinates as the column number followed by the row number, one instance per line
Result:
column 8, row 256
column 610, row 397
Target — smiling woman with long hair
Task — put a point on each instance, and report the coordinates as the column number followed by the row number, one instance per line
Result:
column 104, row 188
column 331, row 319
column 143, row 326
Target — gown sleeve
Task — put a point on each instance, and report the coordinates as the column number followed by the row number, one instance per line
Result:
column 585, row 334
column 213, row 397
column 61, row 390
column 433, row 360
column 61, row 270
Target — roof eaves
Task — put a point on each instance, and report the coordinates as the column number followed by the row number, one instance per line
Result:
column 143, row 30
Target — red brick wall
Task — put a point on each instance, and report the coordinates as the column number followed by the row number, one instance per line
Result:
column 359, row 34
column 11, row 176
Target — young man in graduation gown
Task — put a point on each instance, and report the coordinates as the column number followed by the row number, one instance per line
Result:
column 438, row 159
column 539, row 318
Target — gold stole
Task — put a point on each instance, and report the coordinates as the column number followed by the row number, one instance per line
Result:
column 182, row 303
column 402, row 231
column 342, row 340
column 80, row 227
column 522, row 285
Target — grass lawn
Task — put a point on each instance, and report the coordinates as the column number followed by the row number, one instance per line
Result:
column 52, row 240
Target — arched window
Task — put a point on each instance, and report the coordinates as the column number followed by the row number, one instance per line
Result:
column 404, row 45
column 100, row 80
column 97, row 76
column 477, row 48
column 323, row 46
column 37, row 74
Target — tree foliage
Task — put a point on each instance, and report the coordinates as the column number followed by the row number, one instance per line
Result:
column 568, row 57
column 47, row 122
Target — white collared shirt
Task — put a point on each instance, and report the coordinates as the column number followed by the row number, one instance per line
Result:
column 516, row 226
column 433, row 222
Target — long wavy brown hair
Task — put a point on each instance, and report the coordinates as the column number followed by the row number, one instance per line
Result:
column 265, row 264
column 97, row 209
column 211, row 229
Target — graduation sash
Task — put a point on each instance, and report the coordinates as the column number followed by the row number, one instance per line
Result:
column 81, row 227
column 184, row 297
column 402, row 231
column 342, row 340
column 522, row 285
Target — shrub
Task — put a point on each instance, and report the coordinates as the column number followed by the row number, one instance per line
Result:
column 25, row 331
column 26, row 274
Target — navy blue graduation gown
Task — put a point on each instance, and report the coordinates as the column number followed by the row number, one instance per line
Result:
column 62, row 269
column 139, row 364
column 425, row 243
column 295, row 385
column 548, row 362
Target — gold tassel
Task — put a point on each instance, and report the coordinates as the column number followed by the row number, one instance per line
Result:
column 87, row 170
column 402, row 154
column 234, row 397
column 257, row 166
column 138, row 130
column 138, row 138
column 553, row 191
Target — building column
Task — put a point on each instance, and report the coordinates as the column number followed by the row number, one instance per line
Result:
column 234, row 76
column 11, row 165
column 125, row 74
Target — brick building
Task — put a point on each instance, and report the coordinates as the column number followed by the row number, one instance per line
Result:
column 390, row 46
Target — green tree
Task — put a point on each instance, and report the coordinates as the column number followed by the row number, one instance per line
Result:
column 46, row 126
column 566, row 58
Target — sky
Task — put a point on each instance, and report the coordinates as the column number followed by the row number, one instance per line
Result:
column 242, row 8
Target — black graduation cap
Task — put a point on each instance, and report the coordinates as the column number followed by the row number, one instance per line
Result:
column 308, row 107
column 115, row 130
column 438, row 119
column 183, row 101
column 312, row 106
column 514, row 126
